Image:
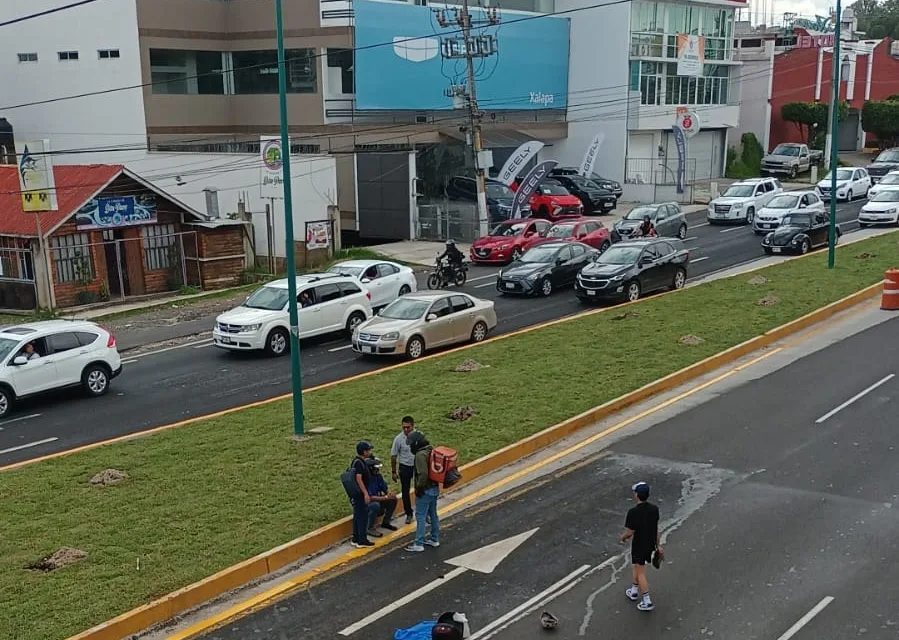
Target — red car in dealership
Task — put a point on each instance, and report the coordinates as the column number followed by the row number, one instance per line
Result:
column 506, row 241
column 551, row 201
column 587, row 230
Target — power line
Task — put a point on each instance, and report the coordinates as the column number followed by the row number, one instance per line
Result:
column 47, row 12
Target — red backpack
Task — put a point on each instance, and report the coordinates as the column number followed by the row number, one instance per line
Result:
column 441, row 460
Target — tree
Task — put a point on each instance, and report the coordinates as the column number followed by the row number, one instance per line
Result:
column 878, row 19
column 882, row 119
column 811, row 117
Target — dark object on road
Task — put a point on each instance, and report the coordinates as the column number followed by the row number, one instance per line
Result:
column 450, row 626
column 657, row 558
column 548, row 620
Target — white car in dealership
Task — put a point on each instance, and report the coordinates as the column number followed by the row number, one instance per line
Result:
column 742, row 200
column 851, row 184
column 386, row 280
column 768, row 219
column 881, row 209
column 328, row 303
column 889, row 181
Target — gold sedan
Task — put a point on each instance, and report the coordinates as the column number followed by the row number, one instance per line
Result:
column 425, row 320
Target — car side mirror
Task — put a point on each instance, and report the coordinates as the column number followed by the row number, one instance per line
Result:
column 430, row 317
column 802, row 205
column 559, row 262
column 20, row 360
column 528, row 234
column 645, row 260
column 366, row 280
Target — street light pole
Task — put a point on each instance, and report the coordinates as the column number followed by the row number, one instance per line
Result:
column 834, row 147
column 296, row 374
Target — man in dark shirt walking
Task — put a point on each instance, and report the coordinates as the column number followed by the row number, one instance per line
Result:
column 641, row 526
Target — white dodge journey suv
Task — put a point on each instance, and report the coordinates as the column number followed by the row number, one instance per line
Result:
column 328, row 303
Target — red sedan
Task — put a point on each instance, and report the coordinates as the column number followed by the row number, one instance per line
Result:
column 506, row 241
column 590, row 232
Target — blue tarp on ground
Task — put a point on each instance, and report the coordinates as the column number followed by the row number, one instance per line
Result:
column 421, row 631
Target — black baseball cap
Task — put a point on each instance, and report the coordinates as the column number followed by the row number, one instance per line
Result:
column 641, row 489
column 362, row 447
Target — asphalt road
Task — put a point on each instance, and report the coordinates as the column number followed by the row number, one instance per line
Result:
column 172, row 384
column 771, row 503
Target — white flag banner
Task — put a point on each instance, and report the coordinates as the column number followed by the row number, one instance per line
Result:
column 589, row 160
column 517, row 160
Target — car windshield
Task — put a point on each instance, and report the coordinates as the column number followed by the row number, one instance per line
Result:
column 6, row 347
column 783, row 202
column 785, row 150
column 269, row 298
column 888, row 156
column 797, row 220
column 560, row 231
column 890, row 178
column 842, row 174
column 498, row 191
column 513, row 229
column 540, row 254
column 619, row 255
column 348, row 270
column 638, row 213
column 578, row 181
column 739, row 191
column 553, row 190
column 891, row 195
column 405, row 309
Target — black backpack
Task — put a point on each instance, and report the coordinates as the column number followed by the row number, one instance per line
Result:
column 348, row 478
column 447, row 628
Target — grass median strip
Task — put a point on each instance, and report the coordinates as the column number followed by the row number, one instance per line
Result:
column 203, row 497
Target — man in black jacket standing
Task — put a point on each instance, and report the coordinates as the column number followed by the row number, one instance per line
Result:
column 641, row 525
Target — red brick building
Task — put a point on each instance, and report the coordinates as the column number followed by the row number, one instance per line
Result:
column 804, row 74
column 112, row 236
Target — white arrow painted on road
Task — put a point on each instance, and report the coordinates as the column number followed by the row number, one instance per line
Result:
column 483, row 560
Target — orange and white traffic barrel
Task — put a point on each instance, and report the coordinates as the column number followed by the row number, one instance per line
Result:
column 890, row 300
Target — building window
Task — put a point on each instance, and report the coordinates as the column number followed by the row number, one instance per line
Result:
column 159, row 246
column 73, row 260
column 27, row 57
column 108, row 54
column 256, row 72
column 16, row 260
column 683, row 19
column 649, row 81
column 655, row 27
column 67, row 55
column 228, row 147
column 187, row 72
column 342, row 60
column 647, row 17
column 710, row 88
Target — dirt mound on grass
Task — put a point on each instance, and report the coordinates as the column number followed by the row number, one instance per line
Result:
column 757, row 280
column 768, row 301
column 109, row 477
column 690, row 339
column 461, row 414
column 61, row 558
column 469, row 365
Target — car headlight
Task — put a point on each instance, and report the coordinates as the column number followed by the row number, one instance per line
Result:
column 796, row 240
column 250, row 328
column 531, row 277
column 503, row 247
column 393, row 335
column 768, row 238
column 620, row 276
column 737, row 206
column 893, row 210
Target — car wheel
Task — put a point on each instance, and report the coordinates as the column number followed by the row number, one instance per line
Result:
column 682, row 232
column 793, row 173
column 633, row 291
column 356, row 318
column 805, row 246
column 461, row 277
column 415, row 348
column 516, row 253
column 95, row 380
column 849, row 196
column 750, row 215
column 277, row 342
column 680, row 279
column 479, row 331
column 6, row 401
column 546, row 287
column 405, row 289
column 433, row 281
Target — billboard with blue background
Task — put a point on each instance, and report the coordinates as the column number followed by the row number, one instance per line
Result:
column 399, row 64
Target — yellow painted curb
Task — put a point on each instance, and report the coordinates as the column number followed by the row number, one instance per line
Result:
column 271, row 561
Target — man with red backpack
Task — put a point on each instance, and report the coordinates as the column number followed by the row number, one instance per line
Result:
column 426, row 494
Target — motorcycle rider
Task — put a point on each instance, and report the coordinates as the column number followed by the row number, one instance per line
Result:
column 452, row 255
column 646, row 229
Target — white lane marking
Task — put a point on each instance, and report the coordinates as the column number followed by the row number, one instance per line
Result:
column 857, row 396
column 203, row 346
column 691, row 238
column 481, row 286
column 195, row 343
column 28, row 445
column 733, row 229
column 499, row 622
column 346, row 346
column 19, row 419
column 493, row 275
column 699, row 259
column 804, row 620
column 701, row 224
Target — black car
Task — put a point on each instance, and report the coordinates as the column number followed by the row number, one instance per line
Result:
column 499, row 196
column 595, row 199
column 800, row 233
column 886, row 161
column 630, row 269
column 604, row 183
column 545, row 267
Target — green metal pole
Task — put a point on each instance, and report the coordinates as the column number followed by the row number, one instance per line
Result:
column 834, row 147
column 296, row 373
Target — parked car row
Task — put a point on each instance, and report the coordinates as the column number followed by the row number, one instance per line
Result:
column 883, row 202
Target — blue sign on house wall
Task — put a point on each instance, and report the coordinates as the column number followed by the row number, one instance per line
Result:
column 399, row 64
column 125, row 211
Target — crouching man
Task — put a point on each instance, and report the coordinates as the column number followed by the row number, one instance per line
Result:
column 383, row 500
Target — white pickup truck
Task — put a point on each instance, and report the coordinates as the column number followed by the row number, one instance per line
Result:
column 791, row 159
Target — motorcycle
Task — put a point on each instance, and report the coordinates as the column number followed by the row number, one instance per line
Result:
column 445, row 274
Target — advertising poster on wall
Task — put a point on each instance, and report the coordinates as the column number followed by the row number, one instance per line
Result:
column 318, row 234
column 110, row 213
column 690, row 54
column 36, row 181
column 271, row 172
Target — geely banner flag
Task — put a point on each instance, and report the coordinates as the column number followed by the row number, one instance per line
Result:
column 592, row 153
column 681, row 143
column 517, row 160
column 529, row 185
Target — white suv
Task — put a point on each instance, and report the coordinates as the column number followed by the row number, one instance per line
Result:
column 37, row 357
column 742, row 200
column 329, row 302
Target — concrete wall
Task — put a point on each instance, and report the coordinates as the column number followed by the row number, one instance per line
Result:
column 756, row 79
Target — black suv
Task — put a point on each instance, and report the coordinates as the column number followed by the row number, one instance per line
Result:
column 595, row 199
column 604, row 183
column 886, row 161
column 499, row 196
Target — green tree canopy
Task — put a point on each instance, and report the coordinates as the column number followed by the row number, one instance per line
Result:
column 882, row 119
column 878, row 19
column 811, row 117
